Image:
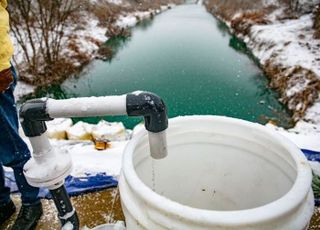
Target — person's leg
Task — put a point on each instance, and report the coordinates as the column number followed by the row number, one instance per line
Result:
column 4, row 191
column 14, row 152
column 7, row 207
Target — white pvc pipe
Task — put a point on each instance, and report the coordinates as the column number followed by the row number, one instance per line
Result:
column 41, row 146
column 87, row 106
column 46, row 168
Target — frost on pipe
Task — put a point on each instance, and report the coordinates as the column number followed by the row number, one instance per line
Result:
column 87, row 106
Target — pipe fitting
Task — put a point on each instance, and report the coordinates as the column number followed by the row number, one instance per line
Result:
column 65, row 209
column 151, row 107
column 33, row 115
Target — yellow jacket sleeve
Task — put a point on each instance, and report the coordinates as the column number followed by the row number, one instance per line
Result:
column 6, row 47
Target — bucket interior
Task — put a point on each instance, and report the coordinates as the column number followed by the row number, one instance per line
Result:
column 217, row 167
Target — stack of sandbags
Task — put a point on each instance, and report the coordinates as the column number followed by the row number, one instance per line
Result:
column 57, row 128
column 111, row 131
column 62, row 128
column 80, row 131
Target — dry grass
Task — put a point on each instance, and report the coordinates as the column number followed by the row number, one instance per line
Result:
column 228, row 8
column 106, row 12
column 243, row 23
column 282, row 79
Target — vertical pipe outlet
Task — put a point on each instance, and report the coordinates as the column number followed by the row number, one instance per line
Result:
column 154, row 111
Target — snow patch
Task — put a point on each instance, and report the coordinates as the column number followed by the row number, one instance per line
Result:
column 289, row 43
column 87, row 160
column 302, row 136
column 22, row 89
column 67, row 226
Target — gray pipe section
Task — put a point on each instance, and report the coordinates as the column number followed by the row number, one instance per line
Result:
column 158, row 144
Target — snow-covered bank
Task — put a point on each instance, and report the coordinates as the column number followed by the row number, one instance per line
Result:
column 83, row 35
column 290, row 56
column 290, row 44
column 281, row 37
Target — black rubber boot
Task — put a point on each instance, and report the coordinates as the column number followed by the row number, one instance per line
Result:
column 28, row 217
column 6, row 211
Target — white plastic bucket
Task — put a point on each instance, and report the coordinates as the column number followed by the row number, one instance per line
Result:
column 220, row 173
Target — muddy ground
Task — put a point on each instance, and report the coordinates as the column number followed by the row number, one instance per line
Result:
column 93, row 209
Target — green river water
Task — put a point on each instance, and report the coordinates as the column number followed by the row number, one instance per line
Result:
column 188, row 58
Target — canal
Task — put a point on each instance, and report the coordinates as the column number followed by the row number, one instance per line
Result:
column 188, row 58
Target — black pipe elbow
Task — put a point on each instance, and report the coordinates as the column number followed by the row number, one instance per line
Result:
column 33, row 115
column 151, row 107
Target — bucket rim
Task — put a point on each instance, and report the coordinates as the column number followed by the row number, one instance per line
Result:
column 276, row 209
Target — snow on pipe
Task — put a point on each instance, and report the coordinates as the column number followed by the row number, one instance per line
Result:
column 139, row 103
column 46, row 169
column 87, row 106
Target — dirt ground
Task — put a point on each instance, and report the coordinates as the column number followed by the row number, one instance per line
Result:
column 98, row 208
column 93, row 209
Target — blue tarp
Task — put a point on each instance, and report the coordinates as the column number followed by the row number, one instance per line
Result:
column 74, row 185
column 311, row 155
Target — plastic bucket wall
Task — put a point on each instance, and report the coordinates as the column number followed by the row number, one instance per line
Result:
column 220, row 173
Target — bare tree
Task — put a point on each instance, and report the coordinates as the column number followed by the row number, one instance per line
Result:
column 39, row 28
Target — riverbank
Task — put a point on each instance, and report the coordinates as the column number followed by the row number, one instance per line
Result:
column 284, row 38
column 83, row 37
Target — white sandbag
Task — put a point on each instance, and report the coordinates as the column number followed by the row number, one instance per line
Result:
column 57, row 128
column 112, row 131
column 80, row 131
